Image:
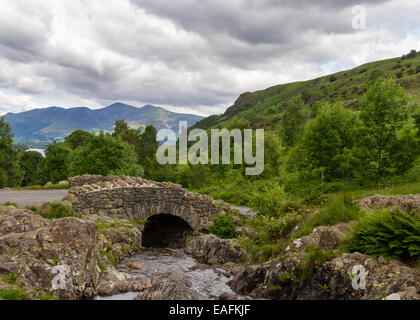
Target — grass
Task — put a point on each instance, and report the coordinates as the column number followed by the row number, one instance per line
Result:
column 103, row 224
column 339, row 208
column 313, row 257
column 11, row 278
column 57, row 211
column 9, row 204
column 53, row 187
column 14, row 294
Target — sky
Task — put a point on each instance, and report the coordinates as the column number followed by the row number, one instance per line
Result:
column 194, row 56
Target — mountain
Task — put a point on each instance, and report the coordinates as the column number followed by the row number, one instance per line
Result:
column 264, row 108
column 56, row 123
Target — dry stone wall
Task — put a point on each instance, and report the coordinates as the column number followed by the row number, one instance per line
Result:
column 138, row 199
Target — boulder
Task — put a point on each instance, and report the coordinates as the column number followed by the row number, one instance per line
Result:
column 169, row 286
column 212, row 250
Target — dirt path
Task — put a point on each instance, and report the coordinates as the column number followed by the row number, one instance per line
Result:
column 31, row 197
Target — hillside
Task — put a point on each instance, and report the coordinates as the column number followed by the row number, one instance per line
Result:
column 56, row 123
column 263, row 108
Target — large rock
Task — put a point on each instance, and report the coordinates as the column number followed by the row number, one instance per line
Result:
column 113, row 282
column 407, row 203
column 169, row 286
column 210, row 249
column 285, row 278
column 37, row 250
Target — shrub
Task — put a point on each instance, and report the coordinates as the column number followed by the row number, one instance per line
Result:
column 224, row 227
column 332, row 78
column 268, row 199
column 395, row 235
column 269, row 228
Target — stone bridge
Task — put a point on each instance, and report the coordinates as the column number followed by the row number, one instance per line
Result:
column 168, row 208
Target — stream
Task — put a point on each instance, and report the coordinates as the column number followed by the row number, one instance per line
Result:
column 208, row 283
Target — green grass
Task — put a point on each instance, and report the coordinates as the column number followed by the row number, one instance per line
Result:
column 14, row 294
column 53, row 187
column 339, row 208
column 313, row 257
column 11, row 278
column 57, row 211
column 103, row 224
column 9, row 204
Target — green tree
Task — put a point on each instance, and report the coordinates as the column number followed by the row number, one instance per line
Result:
column 31, row 163
column 10, row 173
column 105, row 155
column 56, row 166
column 383, row 113
column 144, row 141
column 293, row 121
column 327, row 142
column 77, row 138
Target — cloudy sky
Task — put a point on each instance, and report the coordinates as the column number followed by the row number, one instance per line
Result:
column 186, row 55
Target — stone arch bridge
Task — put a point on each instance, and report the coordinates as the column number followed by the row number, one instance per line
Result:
column 167, row 207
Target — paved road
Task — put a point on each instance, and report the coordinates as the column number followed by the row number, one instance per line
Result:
column 244, row 211
column 31, row 197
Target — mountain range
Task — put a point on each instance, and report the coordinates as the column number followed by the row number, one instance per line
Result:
column 52, row 123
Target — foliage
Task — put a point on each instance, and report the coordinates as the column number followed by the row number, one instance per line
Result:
column 224, row 227
column 10, row 173
column 268, row 199
column 14, row 294
column 293, row 121
column 77, row 139
column 325, row 149
column 105, row 155
column 57, row 162
column 31, row 163
column 313, row 257
column 269, row 228
column 384, row 233
column 380, row 150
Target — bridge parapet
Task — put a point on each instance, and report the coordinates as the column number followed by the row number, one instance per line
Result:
column 135, row 198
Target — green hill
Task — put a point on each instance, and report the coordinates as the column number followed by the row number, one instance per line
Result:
column 264, row 107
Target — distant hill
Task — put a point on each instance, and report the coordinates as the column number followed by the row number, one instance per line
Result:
column 56, row 123
column 264, row 108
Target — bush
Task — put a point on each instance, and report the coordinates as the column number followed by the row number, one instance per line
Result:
column 268, row 199
column 314, row 256
column 224, row 227
column 269, row 229
column 395, row 235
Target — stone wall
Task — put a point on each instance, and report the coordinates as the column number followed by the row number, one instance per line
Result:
column 136, row 198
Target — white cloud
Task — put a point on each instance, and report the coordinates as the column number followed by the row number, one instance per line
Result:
column 189, row 56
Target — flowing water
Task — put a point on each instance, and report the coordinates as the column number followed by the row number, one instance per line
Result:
column 208, row 283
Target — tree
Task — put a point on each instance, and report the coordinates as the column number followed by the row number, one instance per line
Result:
column 293, row 121
column 105, row 155
column 31, row 164
column 77, row 138
column 10, row 172
column 56, row 167
column 383, row 113
column 326, row 144
column 145, row 144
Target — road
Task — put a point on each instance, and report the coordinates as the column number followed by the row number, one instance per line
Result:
column 31, row 197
